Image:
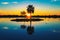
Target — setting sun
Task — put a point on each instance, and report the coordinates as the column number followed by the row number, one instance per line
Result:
column 28, row 16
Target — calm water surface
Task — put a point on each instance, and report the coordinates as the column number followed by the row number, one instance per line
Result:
column 48, row 29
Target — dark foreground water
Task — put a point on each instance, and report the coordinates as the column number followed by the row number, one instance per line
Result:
column 49, row 29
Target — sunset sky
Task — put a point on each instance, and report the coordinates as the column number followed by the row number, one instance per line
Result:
column 42, row 7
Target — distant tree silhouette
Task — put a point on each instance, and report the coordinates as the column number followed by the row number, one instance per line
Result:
column 23, row 13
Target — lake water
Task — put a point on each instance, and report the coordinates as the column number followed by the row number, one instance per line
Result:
column 48, row 29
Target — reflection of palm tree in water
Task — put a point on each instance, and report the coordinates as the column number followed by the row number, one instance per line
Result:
column 30, row 29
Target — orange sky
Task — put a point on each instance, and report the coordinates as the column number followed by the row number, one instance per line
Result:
column 37, row 12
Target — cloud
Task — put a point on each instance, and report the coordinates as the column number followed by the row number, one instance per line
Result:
column 54, row 30
column 54, row 0
column 14, row 2
column 4, row 3
column 5, row 27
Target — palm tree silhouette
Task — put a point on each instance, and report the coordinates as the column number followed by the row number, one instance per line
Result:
column 30, row 9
